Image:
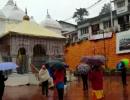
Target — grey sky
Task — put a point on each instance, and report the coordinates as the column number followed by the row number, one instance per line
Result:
column 58, row 9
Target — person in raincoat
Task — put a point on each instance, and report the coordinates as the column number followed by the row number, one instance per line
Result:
column 96, row 79
column 122, row 67
column 123, row 74
column 2, row 84
column 59, row 76
column 43, row 78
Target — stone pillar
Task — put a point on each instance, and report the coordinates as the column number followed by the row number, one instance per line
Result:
column 29, row 62
column 14, row 60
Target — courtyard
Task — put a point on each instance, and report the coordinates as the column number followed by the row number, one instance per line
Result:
column 112, row 88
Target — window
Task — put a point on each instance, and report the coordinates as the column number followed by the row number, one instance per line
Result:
column 84, row 30
column 120, row 4
column 75, row 37
column 107, row 24
column 95, row 28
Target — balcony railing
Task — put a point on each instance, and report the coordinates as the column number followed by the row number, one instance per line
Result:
column 84, row 36
column 124, row 27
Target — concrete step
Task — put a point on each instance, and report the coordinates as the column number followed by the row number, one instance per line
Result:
column 17, row 79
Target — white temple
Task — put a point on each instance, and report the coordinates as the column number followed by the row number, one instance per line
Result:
column 17, row 34
column 51, row 24
column 11, row 13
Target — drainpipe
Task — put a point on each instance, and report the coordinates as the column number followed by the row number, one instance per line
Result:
column 111, row 15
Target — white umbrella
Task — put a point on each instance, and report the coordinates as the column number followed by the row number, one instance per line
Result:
column 83, row 68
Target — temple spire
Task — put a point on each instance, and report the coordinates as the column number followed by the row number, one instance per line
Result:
column 15, row 6
column 26, row 12
column 48, row 15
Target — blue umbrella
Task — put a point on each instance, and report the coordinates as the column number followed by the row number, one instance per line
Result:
column 52, row 62
column 7, row 66
column 119, row 66
column 58, row 65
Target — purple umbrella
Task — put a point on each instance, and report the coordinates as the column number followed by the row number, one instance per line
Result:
column 85, row 59
column 94, row 60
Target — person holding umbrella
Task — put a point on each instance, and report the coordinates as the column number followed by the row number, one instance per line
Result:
column 96, row 79
column 3, row 67
column 121, row 66
column 123, row 74
column 59, row 75
column 2, row 84
column 83, row 69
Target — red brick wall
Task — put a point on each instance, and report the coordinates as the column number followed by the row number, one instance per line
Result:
column 73, row 53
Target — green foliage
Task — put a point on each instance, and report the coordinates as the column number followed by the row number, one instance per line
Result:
column 80, row 14
column 105, row 9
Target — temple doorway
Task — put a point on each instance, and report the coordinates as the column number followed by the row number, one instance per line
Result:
column 22, row 61
column 39, row 55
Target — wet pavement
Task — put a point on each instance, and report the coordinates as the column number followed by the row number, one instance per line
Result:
column 112, row 87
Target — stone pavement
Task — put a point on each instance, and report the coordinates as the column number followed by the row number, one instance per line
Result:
column 112, row 87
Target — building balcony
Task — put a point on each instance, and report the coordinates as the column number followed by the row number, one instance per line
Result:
column 100, row 36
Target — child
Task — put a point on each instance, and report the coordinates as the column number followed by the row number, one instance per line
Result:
column 96, row 78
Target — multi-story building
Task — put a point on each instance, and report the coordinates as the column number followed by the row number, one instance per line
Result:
column 93, row 28
column 69, row 31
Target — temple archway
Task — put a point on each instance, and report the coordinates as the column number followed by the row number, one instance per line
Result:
column 39, row 50
column 39, row 55
column 22, row 61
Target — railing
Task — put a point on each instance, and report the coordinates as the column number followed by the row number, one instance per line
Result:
column 84, row 36
column 124, row 27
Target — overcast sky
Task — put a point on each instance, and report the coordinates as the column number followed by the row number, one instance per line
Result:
column 58, row 9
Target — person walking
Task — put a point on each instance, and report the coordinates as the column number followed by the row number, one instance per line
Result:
column 2, row 84
column 123, row 74
column 83, row 69
column 59, row 75
column 44, row 77
column 96, row 79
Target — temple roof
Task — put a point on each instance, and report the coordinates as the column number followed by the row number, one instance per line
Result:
column 49, row 22
column 30, row 29
column 11, row 11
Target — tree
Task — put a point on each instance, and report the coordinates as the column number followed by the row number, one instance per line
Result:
column 79, row 14
column 105, row 9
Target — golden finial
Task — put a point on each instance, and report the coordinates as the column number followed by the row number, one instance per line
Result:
column 26, row 17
